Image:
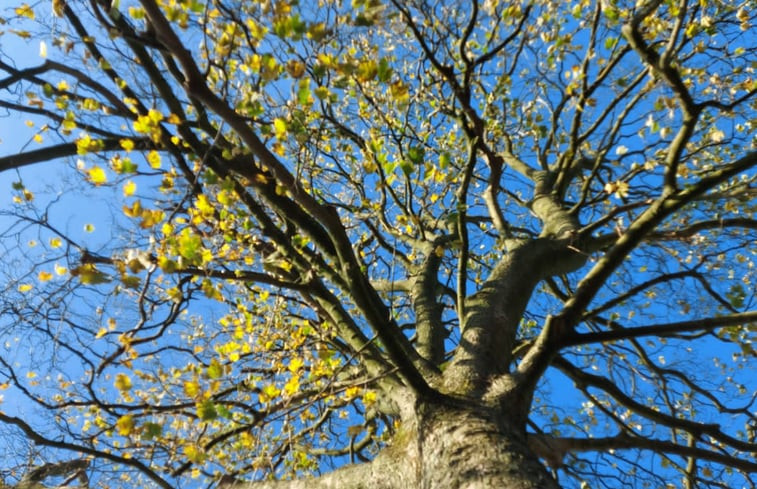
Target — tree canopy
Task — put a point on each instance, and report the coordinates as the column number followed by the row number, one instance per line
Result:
column 379, row 243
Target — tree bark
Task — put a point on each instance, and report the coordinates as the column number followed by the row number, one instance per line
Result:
column 475, row 448
column 449, row 445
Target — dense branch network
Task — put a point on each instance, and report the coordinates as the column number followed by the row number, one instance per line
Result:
column 331, row 224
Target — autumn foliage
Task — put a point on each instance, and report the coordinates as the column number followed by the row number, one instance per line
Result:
column 258, row 240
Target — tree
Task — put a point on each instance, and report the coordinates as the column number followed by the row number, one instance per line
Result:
column 387, row 244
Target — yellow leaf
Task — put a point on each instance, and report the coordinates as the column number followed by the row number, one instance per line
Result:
column 150, row 218
column 295, row 68
column 25, row 11
column 85, row 144
column 55, row 242
column 224, row 197
column 191, row 388
column 136, row 13
column 89, row 274
column 122, row 382
column 194, row 453
column 125, row 425
column 154, row 116
column 153, row 158
column 97, row 175
column 25, row 287
column 619, row 188
column 58, row 7
column 134, row 211
column 295, row 364
column 204, row 206
column 89, row 228
column 369, row 398
column 167, row 265
column 280, row 128
column 129, row 188
column 60, row 270
column 399, row 91
column 292, row 386
column 101, row 332
column 44, row 276
column 268, row 392
column 127, row 144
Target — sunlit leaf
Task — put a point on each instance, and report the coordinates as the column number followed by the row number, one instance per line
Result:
column 129, row 188
column 122, row 382
column 44, row 276
column 153, row 158
column 125, row 425
column 97, row 175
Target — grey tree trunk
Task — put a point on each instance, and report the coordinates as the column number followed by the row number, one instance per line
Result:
column 449, row 446
column 472, row 448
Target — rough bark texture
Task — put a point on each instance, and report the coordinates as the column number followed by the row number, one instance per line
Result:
column 474, row 449
column 494, row 312
column 449, row 445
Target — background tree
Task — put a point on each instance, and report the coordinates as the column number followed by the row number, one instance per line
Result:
column 453, row 244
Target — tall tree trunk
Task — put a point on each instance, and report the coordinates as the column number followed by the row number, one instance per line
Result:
column 448, row 446
column 475, row 448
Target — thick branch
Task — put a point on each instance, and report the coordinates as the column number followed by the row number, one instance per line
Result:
column 381, row 473
column 553, row 449
column 70, row 469
column 584, row 379
column 366, row 298
column 428, row 310
column 59, row 151
column 666, row 329
column 641, row 228
column 495, row 311
column 38, row 439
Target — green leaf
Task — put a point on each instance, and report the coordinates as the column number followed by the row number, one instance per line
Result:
column 384, row 71
column 151, row 430
column 612, row 14
column 736, row 295
column 207, row 410
column 215, row 370
column 415, row 154
column 304, row 96
column 190, row 245
column 223, row 411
